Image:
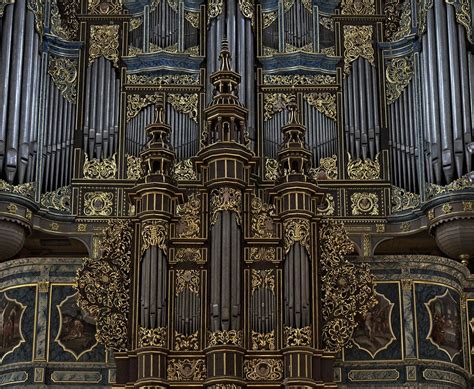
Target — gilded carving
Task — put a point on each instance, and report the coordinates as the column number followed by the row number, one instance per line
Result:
column 189, row 225
column 246, row 8
column 184, row 342
column 186, row 369
column 192, row 18
column 104, row 283
column 348, row 289
column 12, row 208
column 37, row 7
column 434, row 190
column 263, row 279
column 258, row 254
column 297, row 336
column 328, row 206
column 463, row 15
column 187, row 104
column 274, row 103
column 101, row 7
column 184, row 171
column 363, row 203
column 25, row 190
column 327, row 169
column 95, row 169
column 154, row 233
column 358, row 7
column 167, row 79
column 271, row 169
column 363, row 169
column 59, row 200
column 296, row 230
column 187, row 279
column 214, row 9
column 226, row 199
column 403, row 200
column 323, row 102
column 54, row 226
column 263, row 341
column 152, row 337
column 269, row 18
column 65, row 26
column 134, row 168
column 188, row 255
column 3, row 4
column 63, row 72
column 298, row 79
column 232, row 337
column 327, row 22
column 135, row 103
column 98, row 203
column 357, row 43
column 398, row 73
column 262, row 222
column 404, row 27
column 447, row 208
column 268, row 369
column 104, row 41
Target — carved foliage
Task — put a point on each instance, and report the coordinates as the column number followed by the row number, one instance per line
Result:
column 403, row 200
column 262, row 223
column 297, row 336
column 189, row 225
column 187, row 104
column 152, row 337
column 263, row 369
column 296, row 230
column 104, row 283
column 98, row 203
column 323, row 102
column 233, row 337
column 274, row 103
column 399, row 72
column 184, row 342
column 347, row 289
column 187, row 279
column 134, row 168
column 363, row 169
column 226, row 199
column 63, row 71
column 184, row 171
column 95, row 169
column 154, row 233
column 104, row 41
column 263, row 341
column 186, row 369
column 357, row 43
column 263, row 279
column 59, row 200
column 358, row 7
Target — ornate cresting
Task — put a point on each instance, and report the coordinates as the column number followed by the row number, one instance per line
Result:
column 348, row 289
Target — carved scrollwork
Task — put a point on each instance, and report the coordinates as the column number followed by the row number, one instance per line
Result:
column 3, row 4
column 463, row 15
column 271, row 169
column 433, row 190
column 398, row 73
column 258, row 254
column 37, row 7
column 404, row 26
column 64, row 24
column 269, row 18
column 348, row 290
column 268, row 369
column 63, row 72
column 154, row 233
column 298, row 79
column 134, row 168
column 167, row 79
column 263, row 341
column 104, row 283
column 192, row 18
column 101, row 7
column 184, row 342
column 59, row 200
column 327, row 22
column 357, row 43
column 327, row 169
column 358, row 7
column 26, row 190
column 184, row 171
column 323, row 102
column 95, row 169
column 363, row 169
column 231, row 337
column 187, row 104
column 226, row 199
column 188, row 255
column 274, row 103
column 403, row 200
column 262, row 222
column 186, row 369
column 363, row 203
column 189, row 225
column 104, row 41
column 328, row 206
column 297, row 336
column 263, row 279
column 214, row 9
column 152, row 337
column 187, row 279
column 98, row 203
column 246, row 8
column 296, row 230
column 135, row 103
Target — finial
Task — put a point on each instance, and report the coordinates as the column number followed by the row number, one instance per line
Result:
column 224, row 56
column 293, row 111
column 159, row 110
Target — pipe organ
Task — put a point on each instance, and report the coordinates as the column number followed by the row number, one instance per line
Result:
column 236, row 194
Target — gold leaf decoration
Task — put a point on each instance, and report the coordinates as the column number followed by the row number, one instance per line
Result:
column 154, row 233
column 403, row 200
column 184, row 342
column 357, row 43
column 187, row 104
column 348, row 290
column 274, row 103
column 59, row 200
column 263, row 369
column 297, row 336
column 104, row 7
column 246, row 8
column 189, row 225
column 263, row 279
column 192, row 18
column 167, row 79
column 269, row 18
column 363, row 203
column 232, row 337
column 398, row 73
column 95, row 169
column 226, row 199
column 186, row 369
column 188, row 255
column 358, row 7
column 104, row 41
column 433, row 190
column 184, row 171
column 187, row 279
column 296, row 230
column 363, row 169
column 323, row 102
column 258, row 254
column 63, row 72
column 152, row 337
column 463, row 15
column 104, row 283
column 298, row 79
column 26, row 190
column 98, row 203
column 263, row 341
column 261, row 223
column 271, row 169
column 327, row 169
column 214, row 9
column 134, row 168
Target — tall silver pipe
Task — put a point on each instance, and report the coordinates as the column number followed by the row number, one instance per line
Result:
column 465, row 94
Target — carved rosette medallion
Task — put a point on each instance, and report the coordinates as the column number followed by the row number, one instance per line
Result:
column 296, row 230
column 231, row 337
column 263, row 369
column 98, row 203
column 226, row 199
column 363, row 203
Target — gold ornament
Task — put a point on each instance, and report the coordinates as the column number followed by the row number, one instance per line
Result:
column 274, row 103
column 95, row 169
column 12, row 208
column 63, row 72
column 263, row 279
column 433, row 190
column 104, row 42
column 363, row 169
column 134, row 168
column 463, row 15
column 104, row 283
column 188, row 255
column 267, row 369
column 214, row 9
column 54, row 226
column 298, row 79
column 168, row 79
column 184, row 171
column 296, row 230
column 327, row 169
column 297, row 336
column 187, row 279
column 187, row 104
column 348, row 290
column 184, row 342
column 192, row 18
column 327, row 22
column 231, row 337
column 404, row 27
column 271, row 169
column 186, row 369
column 323, row 102
column 258, row 254
column 101, row 7
column 189, row 225
column 25, row 190
column 403, row 200
column 363, row 203
column 269, row 18
column 328, row 206
column 152, row 337
column 3, row 4
column 59, row 200
column 98, row 203
column 226, row 199
column 154, row 233
column 358, row 7
column 246, row 8
column 398, row 73
column 357, row 43
column 135, row 103
column 265, row 341
column 262, row 223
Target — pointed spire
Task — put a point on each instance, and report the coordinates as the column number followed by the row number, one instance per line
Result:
column 224, row 56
